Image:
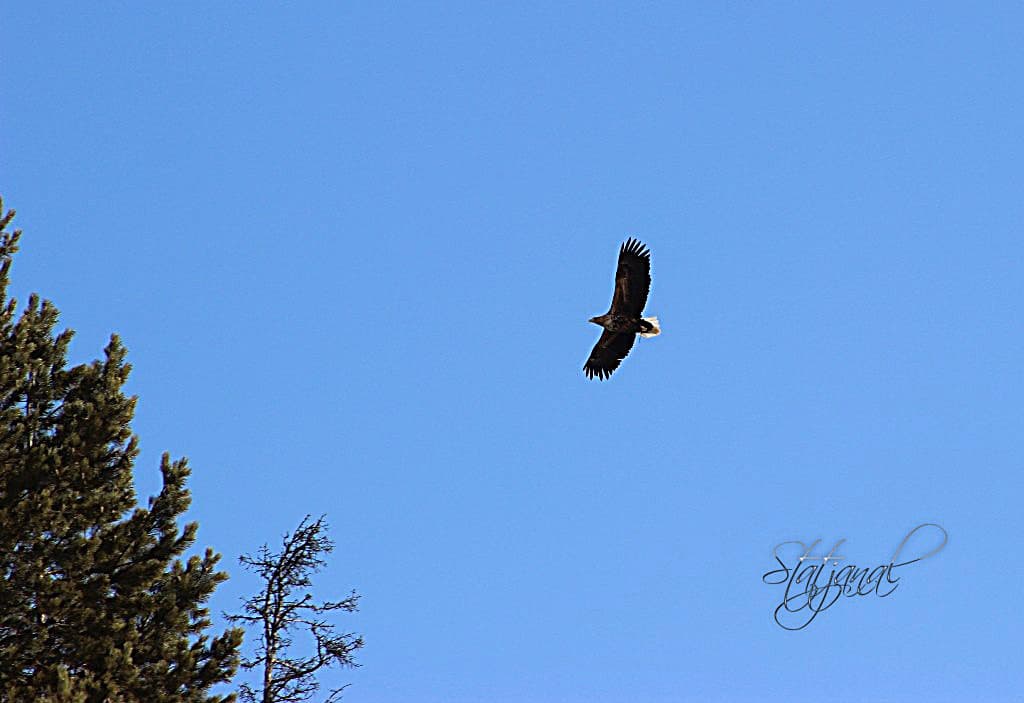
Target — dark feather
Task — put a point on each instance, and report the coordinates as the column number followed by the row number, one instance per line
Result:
column 608, row 353
column 632, row 279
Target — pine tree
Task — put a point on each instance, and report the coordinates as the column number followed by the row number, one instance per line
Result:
column 96, row 605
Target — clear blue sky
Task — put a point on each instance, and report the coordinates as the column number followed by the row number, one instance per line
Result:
column 352, row 251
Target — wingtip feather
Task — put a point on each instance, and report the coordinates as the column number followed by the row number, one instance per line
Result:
column 635, row 247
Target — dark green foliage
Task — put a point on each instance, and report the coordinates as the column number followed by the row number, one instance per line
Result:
column 96, row 605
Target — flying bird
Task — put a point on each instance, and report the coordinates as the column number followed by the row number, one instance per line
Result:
column 623, row 321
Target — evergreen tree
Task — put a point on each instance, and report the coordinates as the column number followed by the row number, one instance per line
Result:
column 96, row 605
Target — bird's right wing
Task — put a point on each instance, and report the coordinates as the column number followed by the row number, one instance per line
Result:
column 632, row 279
column 608, row 353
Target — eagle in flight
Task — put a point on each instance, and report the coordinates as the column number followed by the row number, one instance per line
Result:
column 623, row 321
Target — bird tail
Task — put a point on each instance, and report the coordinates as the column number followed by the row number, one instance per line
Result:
column 655, row 327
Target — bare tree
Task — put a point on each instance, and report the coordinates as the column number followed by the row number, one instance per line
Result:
column 285, row 606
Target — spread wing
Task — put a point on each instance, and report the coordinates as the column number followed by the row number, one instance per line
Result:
column 608, row 353
column 632, row 279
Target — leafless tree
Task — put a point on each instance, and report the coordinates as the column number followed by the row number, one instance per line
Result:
column 284, row 607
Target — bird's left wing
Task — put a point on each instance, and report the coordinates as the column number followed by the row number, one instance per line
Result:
column 608, row 353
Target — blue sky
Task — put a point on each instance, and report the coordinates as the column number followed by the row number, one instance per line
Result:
column 352, row 250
